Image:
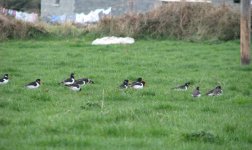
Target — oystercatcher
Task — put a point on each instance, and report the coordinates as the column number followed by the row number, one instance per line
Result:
column 196, row 92
column 125, row 84
column 215, row 92
column 33, row 85
column 4, row 79
column 74, row 87
column 84, row 81
column 139, row 84
column 69, row 80
column 182, row 87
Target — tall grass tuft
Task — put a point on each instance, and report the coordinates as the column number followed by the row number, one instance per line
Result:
column 67, row 30
column 202, row 136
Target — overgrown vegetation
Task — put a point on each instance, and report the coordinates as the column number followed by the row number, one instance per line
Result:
column 13, row 29
column 177, row 21
column 173, row 21
column 67, row 30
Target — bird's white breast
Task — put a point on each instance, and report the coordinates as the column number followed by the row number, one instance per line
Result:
column 75, row 88
column 68, row 83
column 32, row 86
column 4, row 81
column 137, row 86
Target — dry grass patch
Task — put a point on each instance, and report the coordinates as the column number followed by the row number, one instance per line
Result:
column 13, row 29
column 180, row 21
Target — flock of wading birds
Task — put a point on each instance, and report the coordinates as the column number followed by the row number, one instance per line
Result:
column 75, row 85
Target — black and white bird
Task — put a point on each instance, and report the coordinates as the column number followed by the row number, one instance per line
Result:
column 196, row 92
column 139, row 84
column 84, row 81
column 74, row 87
column 69, row 80
column 215, row 92
column 125, row 84
column 182, row 87
column 33, row 85
column 4, row 79
column 218, row 91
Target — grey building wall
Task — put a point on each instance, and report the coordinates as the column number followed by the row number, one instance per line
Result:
column 231, row 2
column 52, row 8
column 215, row 2
column 145, row 5
column 119, row 7
column 69, row 7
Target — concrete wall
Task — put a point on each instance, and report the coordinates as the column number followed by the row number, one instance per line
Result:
column 119, row 7
column 69, row 7
column 51, row 8
column 223, row 2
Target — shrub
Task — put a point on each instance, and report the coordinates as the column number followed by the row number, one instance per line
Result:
column 13, row 29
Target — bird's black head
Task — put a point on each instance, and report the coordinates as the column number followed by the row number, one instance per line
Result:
column 139, row 80
column 125, row 82
column 90, row 81
column 38, row 80
column 6, row 75
column 218, row 87
column 197, row 88
column 76, row 85
column 72, row 75
column 187, row 83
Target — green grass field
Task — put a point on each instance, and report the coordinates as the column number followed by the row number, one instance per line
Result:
column 103, row 117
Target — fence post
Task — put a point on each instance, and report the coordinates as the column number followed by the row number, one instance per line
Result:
column 245, row 32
